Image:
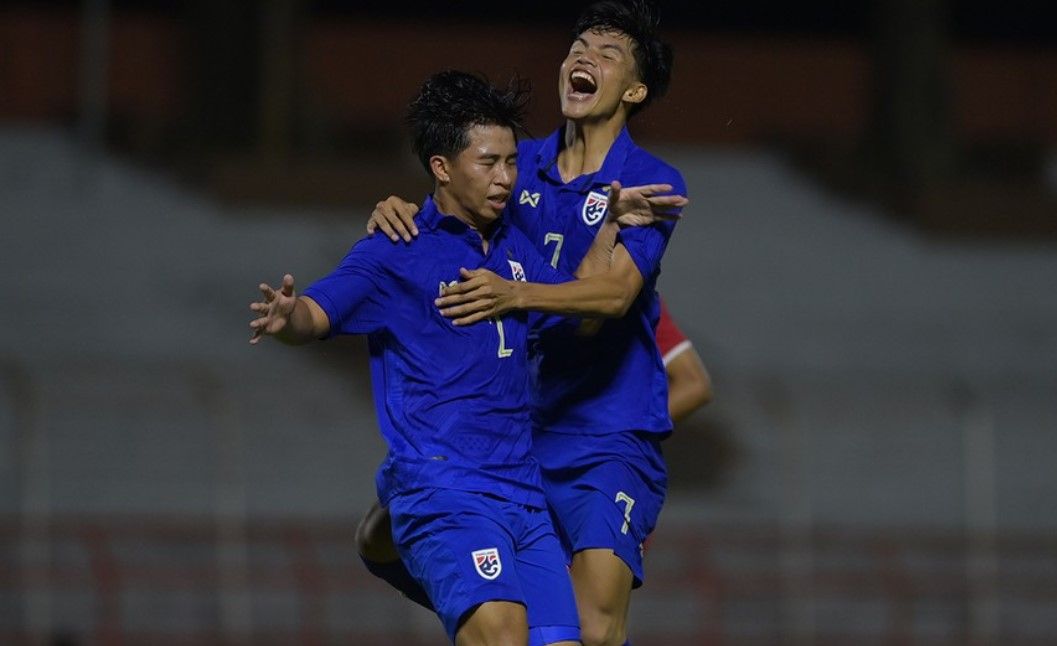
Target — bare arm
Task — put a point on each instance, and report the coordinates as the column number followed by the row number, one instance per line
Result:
column 482, row 294
column 689, row 384
column 292, row 319
column 604, row 295
column 599, row 256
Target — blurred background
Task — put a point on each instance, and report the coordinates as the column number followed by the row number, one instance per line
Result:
column 868, row 269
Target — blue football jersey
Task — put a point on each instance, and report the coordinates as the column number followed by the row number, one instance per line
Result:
column 614, row 381
column 452, row 402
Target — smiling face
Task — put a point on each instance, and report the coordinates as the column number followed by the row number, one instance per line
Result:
column 475, row 185
column 598, row 76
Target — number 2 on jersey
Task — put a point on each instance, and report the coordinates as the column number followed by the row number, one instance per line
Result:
column 504, row 351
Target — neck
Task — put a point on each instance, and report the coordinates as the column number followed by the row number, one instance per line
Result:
column 447, row 205
column 586, row 145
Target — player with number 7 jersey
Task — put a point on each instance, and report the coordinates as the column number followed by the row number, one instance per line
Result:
column 600, row 404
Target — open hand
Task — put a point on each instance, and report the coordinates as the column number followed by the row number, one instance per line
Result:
column 637, row 206
column 273, row 313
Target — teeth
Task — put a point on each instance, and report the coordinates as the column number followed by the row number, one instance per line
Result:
column 583, row 76
column 582, row 83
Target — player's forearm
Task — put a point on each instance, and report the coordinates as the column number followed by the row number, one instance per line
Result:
column 689, row 384
column 300, row 328
column 599, row 256
column 603, row 296
column 685, row 400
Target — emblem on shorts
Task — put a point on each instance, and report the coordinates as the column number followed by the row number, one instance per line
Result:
column 516, row 270
column 487, row 563
column 594, row 208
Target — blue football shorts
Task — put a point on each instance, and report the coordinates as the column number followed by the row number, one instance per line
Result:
column 604, row 491
column 469, row 548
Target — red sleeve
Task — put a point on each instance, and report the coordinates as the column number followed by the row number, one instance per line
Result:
column 670, row 339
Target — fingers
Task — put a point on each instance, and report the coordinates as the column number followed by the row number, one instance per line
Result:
column 458, row 289
column 257, row 327
column 647, row 190
column 461, row 293
column 406, row 212
column 668, row 200
column 471, row 319
column 399, row 229
column 267, row 291
column 263, row 309
column 470, row 280
column 395, row 218
column 465, row 297
column 468, row 313
column 381, row 224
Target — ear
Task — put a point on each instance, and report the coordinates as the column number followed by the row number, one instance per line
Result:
column 439, row 165
column 636, row 93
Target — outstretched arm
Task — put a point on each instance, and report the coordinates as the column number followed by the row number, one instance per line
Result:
column 292, row 319
column 608, row 278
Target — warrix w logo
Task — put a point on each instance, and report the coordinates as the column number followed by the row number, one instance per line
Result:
column 444, row 285
column 532, row 199
column 487, row 563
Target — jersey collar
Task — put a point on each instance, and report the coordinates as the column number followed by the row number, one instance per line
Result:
column 432, row 219
column 547, row 160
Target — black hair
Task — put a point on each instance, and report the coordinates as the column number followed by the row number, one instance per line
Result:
column 637, row 19
column 451, row 102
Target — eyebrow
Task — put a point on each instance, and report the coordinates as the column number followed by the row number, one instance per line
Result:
column 618, row 48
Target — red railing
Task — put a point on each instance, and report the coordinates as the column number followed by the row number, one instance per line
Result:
column 116, row 581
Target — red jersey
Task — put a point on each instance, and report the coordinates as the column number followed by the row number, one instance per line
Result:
column 670, row 339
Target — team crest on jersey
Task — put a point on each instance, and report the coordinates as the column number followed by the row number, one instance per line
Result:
column 594, row 208
column 517, row 271
column 532, row 199
column 487, row 563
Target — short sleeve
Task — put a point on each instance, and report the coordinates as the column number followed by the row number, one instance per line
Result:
column 646, row 245
column 670, row 339
column 353, row 295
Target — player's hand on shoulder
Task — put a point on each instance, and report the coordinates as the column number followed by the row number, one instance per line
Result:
column 395, row 218
column 273, row 312
column 481, row 294
column 636, row 206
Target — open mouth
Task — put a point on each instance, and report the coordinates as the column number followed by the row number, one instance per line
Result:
column 582, row 83
column 499, row 201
